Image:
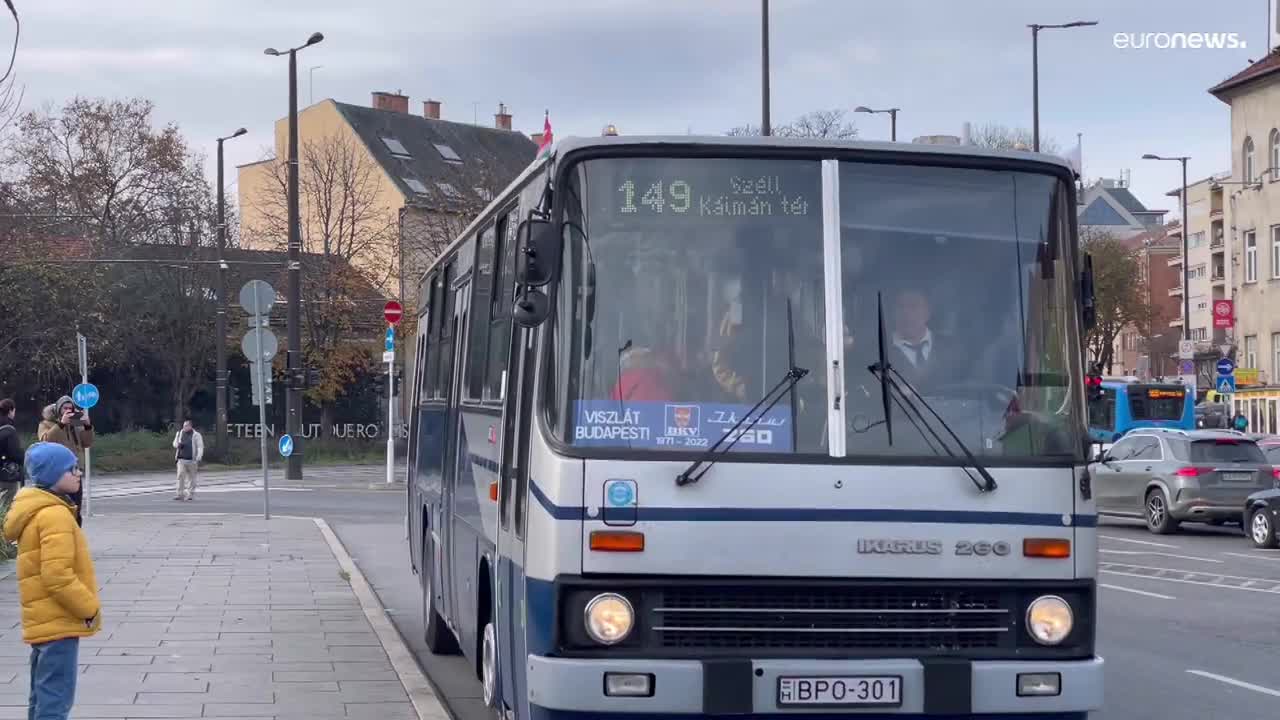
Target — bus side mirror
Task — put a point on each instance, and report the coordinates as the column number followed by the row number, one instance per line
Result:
column 539, row 247
column 1088, row 311
column 532, row 308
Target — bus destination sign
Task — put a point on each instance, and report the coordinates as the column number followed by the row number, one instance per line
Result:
column 679, row 191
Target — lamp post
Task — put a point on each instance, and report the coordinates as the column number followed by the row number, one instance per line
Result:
column 765, row 129
column 1186, row 233
column 293, row 393
column 1035, row 73
column 893, row 119
column 220, row 432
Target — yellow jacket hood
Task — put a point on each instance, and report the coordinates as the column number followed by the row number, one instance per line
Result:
column 26, row 505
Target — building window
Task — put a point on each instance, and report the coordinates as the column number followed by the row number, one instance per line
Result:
column 1275, row 251
column 416, row 185
column 1275, row 357
column 1202, row 305
column 1247, row 157
column 1274, row 170
column 447, row 153
column 1251, row 256
column 1199, row 334
column 396, row 147
column 1196, row 239
column 1196, row 272
column 1251, row 351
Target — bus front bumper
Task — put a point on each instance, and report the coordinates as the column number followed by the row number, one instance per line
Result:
column 561, row 687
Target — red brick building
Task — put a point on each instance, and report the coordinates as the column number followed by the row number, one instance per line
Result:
column 1151, row 351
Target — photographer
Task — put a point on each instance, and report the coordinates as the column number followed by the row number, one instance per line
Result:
column 67, row 425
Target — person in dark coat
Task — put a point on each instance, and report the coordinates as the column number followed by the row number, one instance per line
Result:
column 11, row 453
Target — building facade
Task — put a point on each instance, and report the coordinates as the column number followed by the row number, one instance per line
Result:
column 1107, row 206
column 1148, row 350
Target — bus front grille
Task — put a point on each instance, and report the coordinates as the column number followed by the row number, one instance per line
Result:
column 832, row 618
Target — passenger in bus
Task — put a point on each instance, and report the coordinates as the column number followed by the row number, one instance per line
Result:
column 644, row 375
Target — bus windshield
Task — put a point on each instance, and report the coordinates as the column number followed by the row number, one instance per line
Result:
column 1157, row 402
column 691, row 287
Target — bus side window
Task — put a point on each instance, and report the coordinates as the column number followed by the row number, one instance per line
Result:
column 447, row 329
column 431, row 359
column 482, row 289
column 501, row 302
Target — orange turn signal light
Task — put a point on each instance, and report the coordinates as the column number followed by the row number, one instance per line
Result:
column 1046, row 547
column 617, row 541
column 493, row 491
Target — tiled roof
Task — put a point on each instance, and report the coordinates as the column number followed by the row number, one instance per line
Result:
column 435, row 161
column 1261, row 68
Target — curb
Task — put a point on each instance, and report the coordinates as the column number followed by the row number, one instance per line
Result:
column 415, row 683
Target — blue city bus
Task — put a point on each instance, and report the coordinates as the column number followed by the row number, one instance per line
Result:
column 1123, row 405
column 710, row 427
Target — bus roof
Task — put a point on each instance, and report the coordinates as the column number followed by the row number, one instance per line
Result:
column 571, row 143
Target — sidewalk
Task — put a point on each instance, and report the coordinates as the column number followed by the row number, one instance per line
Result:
column 230, row 617
column 317, row 477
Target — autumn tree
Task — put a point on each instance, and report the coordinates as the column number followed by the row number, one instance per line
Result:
column 350, row 237
column 828, row 124
column 1120, row 298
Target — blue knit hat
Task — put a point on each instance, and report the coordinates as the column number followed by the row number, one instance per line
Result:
column 47, row 462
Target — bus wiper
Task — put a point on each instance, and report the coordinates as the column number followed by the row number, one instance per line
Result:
column 891, row 379
column 713, row 453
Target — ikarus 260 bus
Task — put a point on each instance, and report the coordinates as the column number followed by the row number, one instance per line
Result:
column 726, row 426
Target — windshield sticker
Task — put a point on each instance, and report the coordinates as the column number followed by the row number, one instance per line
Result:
column 620, row 493
column 678, row 426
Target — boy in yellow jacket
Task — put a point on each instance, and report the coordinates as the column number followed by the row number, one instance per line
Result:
column 56, row 581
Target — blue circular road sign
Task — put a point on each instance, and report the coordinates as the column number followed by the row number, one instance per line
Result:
column 286, row 446
column 1226, row 366
column 85, row 395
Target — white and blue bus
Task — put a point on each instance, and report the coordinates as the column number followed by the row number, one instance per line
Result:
column 748, row 426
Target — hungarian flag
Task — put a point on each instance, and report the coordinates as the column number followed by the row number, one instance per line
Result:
column 545, row 147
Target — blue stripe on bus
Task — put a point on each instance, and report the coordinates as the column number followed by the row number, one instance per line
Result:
column 845, row 515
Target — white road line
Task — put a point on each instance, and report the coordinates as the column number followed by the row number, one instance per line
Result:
column 1139, row 542
column 1237, row 683
column 1262, row 555
column 1194, row 572
column 1137, row 592
column 1161, row 554
column 1192, row 582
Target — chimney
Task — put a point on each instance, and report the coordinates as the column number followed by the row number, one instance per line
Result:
column 502, row 119
column 537, row 138
column 394, row 102
column 431, row 109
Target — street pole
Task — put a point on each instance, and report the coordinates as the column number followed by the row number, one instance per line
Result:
column 220, row 427
column 391, row 399
column 1035, row 87
column 1186, row 259
column 293, row 394
column 261, row 368
column 82, row 346
column 893, row 125
column 765, row 128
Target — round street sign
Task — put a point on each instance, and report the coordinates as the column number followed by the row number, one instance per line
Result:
column 85, row 395
column 270, row 346
column 1226, row 366
column 286, row 445
column 257, row 297
column 393, row 311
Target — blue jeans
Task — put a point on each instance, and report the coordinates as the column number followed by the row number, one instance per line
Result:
column 54, row 667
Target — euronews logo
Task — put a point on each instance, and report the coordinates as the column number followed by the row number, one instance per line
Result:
column 1179, row 41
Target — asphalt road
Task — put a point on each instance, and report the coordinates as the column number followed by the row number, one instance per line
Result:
column 1189, row 624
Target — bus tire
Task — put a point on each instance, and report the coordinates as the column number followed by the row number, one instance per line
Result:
column 489, row 666
column 439, row 638
column 1156, row 512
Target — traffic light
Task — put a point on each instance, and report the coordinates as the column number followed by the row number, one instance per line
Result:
column 1093, row 384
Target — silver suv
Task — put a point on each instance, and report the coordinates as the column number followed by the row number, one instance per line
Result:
column 1170, row 476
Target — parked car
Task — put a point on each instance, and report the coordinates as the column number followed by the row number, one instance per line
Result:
column 1168, row 476
column 1262, row 517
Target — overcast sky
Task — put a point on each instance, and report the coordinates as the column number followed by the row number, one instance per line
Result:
column 666, row 66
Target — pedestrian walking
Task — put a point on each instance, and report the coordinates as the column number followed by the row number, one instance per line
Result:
column 10, row 453
column 1240, row 422
column 69, row 426
column 189, row 445
column 56, row 581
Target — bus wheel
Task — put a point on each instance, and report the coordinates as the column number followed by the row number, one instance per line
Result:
column 489, row 666
column 1159, row 521
column 438, row 636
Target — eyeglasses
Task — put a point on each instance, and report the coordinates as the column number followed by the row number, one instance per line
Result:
column 77, row 470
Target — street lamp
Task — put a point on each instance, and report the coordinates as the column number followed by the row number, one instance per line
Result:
column 893, row 119
column 220, row 433
column 1035, row 73
column 293, row 393
column 1186, row 232
column 764, row 68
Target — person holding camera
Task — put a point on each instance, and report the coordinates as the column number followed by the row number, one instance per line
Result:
column 69, row 426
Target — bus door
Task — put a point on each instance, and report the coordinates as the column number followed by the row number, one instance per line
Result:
column 459, row 497
column 512, row 492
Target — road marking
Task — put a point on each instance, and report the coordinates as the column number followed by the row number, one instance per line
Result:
column 1269, row 556
column 1161, row 554
column 1237, row 683
column 1137, row 592
column 1193, row 572
column 1139, row 542
column 1192, row 582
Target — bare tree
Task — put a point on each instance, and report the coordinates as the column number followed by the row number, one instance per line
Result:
column 830, row 124
column 1120, row 297
column 1003, row 137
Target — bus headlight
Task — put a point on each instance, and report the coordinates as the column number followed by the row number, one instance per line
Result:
column 1049, row 619
column 609, row 618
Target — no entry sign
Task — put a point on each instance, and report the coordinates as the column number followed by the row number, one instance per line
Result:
column 392, row 311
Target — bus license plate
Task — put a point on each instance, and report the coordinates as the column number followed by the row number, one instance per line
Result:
column 840, row 690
